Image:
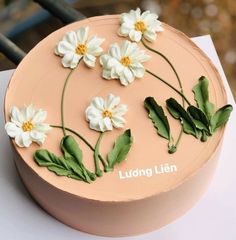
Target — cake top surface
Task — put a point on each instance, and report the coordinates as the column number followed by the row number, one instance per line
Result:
column 148, row 169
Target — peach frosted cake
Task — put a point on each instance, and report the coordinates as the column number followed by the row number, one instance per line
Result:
column 116, row 123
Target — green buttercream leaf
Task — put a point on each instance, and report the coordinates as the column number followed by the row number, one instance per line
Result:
column 201, row 121
column 199, row 118
column 62, row 172
column 201, row 96
column 220, row 117
column 96, row 157
column 44, row 158
column 59, row 171
column 75, row 177
column 59, row 165
column 120, row 149
column 158, row 117
column 71, row 149
column 178, row 112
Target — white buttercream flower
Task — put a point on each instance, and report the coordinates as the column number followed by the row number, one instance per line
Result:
column 103, row 115
column 76, row 46
column 124, row 62
column 135, row 25
column 26, row 125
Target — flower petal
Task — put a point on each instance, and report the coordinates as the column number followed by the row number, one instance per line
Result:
column 145, row 16
column 92, row 113
column 128, row 48
column 159, row 28
column 127, row 17
column 104, row 59
column 71, row 60
column 114, row 51
column 26, row 140
column 150, row 35
column 94, row 124
column 95, row 41
column 120, row 110
column 106, row 73
column 75, row 60
column 118, row 122
column 89, row 60
column 23, row 139
column 139, row 56
column 93, row 45
column 19, row 141
column 115, row 71
column 111, row 102
column 149, row 18
column 29, row 112
column 125, row 28
column 82, row 35
column 63, row 47
column 126, row 77
column 105, row 124
column 137, row 69
column 66, row 60
column 96, row 51
column 136, row 13
column 71, row 38
column 112, row 62
column 42, row 127
column 16, row 116
column 101, row 124
column 39, row 116
column 12, row 129
column 135, row 35
column 98, row 103
column 38, row 137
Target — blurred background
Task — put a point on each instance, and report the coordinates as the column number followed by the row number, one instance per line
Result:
column 26, row 23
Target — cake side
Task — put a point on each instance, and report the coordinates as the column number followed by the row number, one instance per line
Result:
column 118, row 219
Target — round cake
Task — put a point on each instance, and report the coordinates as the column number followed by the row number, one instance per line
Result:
column 133, row 132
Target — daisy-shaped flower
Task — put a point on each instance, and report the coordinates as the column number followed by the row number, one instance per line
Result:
column 124, row 62
column 76, row 46
column 104, row 114
column 26, row 125
column 136, row 25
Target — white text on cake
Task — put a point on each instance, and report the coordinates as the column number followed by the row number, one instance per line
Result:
column 148, row 172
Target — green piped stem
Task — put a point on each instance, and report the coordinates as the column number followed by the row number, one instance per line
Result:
column 62, row 102
column 183, row 97
column 179, row 81
column 179, row 137
column 169, row 85
column 169, row 62
column 85, row 141
column 64, row 129
column 98, row 171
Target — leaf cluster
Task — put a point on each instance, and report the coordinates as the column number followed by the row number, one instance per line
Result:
column 201, row 121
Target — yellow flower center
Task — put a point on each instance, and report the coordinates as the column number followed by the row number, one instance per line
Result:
column 81, row 49
column 140, row 26
column 107, row 113
column 27, row 126
column 125, row 61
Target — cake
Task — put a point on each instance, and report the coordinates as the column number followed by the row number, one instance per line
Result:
column 116, row 123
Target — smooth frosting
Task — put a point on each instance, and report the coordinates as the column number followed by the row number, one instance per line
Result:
column 39, row 80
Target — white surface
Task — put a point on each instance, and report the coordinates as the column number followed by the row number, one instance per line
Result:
column 214, row 217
